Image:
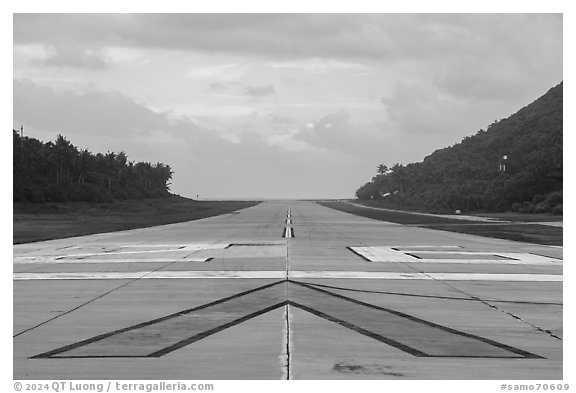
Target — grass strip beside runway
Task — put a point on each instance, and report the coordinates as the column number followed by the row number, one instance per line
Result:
column 37, row 222
column 526, row 232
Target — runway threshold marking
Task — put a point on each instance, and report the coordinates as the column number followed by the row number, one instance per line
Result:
column 423, row 255
column 158, row 337
column 146, row 250
column 127, row 260
column 276, row 274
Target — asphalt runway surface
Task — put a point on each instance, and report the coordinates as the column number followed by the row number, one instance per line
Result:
column 287, row 290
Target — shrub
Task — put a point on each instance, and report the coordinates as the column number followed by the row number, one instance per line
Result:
column 526, row 207
column 56, row 193
column 537, row 199
column 553, row 199
column 89, row 192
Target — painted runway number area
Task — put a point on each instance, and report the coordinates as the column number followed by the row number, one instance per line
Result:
column 319, row 289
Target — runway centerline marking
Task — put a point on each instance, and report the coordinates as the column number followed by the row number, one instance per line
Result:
column 288, row 232
column 158, row 337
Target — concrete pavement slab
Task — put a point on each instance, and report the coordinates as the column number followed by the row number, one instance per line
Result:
column 141, row 295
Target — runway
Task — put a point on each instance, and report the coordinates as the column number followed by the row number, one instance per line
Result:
column 287, row 290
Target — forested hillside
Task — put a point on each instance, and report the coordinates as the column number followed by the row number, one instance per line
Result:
column 60, row 172
column 515, row 164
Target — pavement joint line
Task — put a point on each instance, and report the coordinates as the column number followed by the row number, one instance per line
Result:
column 389, row 254
column 478, row 261
column 552, row 278
column 281, row 243
column 429, row 276
column 398, row 339
column 104, row 261
column 132, row 280
column 287, row 307
column 542, row 330
column 178, row 247
column 410, row 247
column 554, row 351
column 343, row 233
column 247, row 274
column 286, row 345
column 73, row 309
column 162, row 319
column 492, row 306
column 290, row 345
column 430, row 296
column 288, row 248
column 408, row 349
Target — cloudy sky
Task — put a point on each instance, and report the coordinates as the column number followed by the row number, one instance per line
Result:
column 277, row 105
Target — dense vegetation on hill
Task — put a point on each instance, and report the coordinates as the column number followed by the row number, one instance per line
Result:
column 516, row 164
column 60, row 172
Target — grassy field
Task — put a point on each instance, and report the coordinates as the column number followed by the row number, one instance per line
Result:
column 529, row 233
column 523, row 228
column 508, row 216
column 36, row 222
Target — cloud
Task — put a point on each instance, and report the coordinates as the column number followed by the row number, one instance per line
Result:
column 91, row 112
column 318, row 65
column 419, row 109
column 259, row 91
column 277, row 131
column 382, row 37
column 449, row 109
column 218, row 71
column 237, row 90
column 216, row 86
column 205, row 161
column 337, row 132
column 496, row 79
column 74, row 57
column 243, row 89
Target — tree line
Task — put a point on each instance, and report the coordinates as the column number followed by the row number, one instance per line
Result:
column 515, row 164
column 59, row 172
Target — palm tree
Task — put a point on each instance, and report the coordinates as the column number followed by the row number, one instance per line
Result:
column 63, row 158
column 81, row 166
column 382, row 169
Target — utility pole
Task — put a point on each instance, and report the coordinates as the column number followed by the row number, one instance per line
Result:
column 22, row 144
